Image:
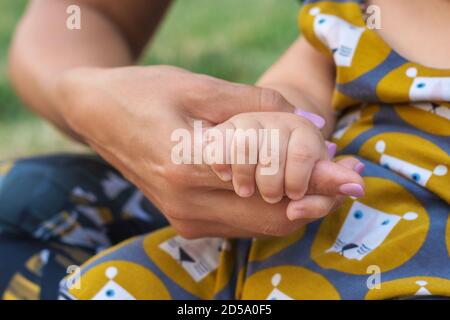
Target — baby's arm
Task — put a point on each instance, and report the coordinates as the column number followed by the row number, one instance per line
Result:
column 305, row 77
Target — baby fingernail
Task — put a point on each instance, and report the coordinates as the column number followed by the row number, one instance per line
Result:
column 245, row 191
column 225, row 176
column 273, row 200
column 317, row 120
column 352, row 190
column 332, row 148
column 359, row 168
column 294, row 196
column 295, row 213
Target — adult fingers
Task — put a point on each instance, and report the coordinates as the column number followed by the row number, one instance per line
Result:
column 340, row 178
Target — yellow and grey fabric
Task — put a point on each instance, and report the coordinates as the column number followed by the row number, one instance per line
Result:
column 58, row 211
column 392, row 243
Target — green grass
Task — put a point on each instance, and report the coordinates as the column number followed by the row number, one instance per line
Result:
column 232, row 39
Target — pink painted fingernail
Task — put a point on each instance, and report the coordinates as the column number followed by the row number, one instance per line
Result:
column 359, row 168
column 332, row 148
column 317, row 120
column 352, row 190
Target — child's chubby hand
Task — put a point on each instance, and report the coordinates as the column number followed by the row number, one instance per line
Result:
column 280, row 154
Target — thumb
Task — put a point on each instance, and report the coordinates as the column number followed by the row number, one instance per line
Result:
column 242, row 98
column 341, row 178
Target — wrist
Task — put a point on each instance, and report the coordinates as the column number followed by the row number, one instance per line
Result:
column 72, row 91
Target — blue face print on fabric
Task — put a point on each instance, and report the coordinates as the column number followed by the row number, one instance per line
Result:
column 358, row 214
column 110, row 293
column 421, row 85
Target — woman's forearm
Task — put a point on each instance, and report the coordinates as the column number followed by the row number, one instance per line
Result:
column 43, row 49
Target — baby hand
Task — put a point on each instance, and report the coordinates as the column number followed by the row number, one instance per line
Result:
column 280, row 154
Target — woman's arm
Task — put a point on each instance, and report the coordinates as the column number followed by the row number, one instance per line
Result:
column 113, row 33
column 305, row 77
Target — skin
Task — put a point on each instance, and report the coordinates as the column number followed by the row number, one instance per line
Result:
column 126, row 114
column 301, row 147
column 407, row 26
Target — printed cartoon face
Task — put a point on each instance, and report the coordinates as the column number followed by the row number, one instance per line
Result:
column 117, row 280
column 338, row 35
column 427, row 116
column 411, row 82
column 364, row 229
column 288, row 283
column 386, row 228
column 428, row 88
column 410, row 287
column 198, row 257
column 112, row 290
column 410, row 156
column 277, row 294
column 413, row 172
column 192, row 264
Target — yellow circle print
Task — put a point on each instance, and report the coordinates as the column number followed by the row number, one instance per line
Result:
column 410, row 287
column 447, row 235
column 412, row 82
column 288, row 283
column 427, row 116
column 202, row 266
column 263, row 248
column 120, row 280
column 412, row 157
column 385, row 228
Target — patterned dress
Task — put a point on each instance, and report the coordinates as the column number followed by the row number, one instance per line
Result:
column 394, row 242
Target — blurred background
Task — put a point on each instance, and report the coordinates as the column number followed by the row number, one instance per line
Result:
column 233, row 39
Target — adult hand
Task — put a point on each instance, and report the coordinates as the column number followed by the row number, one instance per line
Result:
column 128, row 115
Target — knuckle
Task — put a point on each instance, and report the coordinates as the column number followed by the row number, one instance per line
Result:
column 270, row 100
column 296, row 189
column 306, row 154
column 200, row 89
